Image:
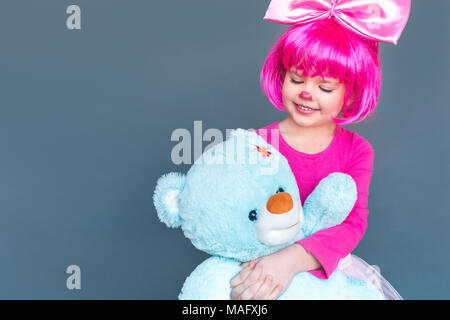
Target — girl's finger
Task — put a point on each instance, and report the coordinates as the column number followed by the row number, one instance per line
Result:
column 251, row 291
column 241, row 277
column 265, row 289
column 247, row 264
column 276, row 293
column 250, row 281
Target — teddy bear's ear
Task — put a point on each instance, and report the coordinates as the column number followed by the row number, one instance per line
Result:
column 166, row 197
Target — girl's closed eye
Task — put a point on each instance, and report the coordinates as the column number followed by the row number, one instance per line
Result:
column 296, row 81
column 326, row 90
column 323, row 89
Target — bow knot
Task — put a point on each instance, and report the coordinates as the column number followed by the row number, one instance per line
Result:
column 371, row 19
column 333, row 8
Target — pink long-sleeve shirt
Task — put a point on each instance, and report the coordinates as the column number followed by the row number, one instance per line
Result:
column 349, row 153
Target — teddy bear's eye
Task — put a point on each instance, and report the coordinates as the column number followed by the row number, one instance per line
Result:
column 280, row 190
column 252, row 216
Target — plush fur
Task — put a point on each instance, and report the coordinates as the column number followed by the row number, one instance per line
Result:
column 211, row 203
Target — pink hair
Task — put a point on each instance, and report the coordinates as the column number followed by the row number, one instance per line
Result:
column 325, row 48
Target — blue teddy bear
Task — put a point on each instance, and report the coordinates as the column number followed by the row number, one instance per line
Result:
column 240, row 201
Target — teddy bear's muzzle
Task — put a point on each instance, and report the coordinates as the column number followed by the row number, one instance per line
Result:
column 280, row 219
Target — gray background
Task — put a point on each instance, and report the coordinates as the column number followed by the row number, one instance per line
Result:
column 86, row 118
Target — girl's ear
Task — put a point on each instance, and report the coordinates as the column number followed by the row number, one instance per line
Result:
column 166, row 197
column 350, row 100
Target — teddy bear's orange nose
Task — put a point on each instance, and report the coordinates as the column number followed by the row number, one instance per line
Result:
column 280, row 203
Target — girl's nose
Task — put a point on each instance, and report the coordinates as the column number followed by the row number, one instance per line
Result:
column 305, row 95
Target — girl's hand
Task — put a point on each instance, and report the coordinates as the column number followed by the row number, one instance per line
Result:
column 267, row 277
column 250, row 284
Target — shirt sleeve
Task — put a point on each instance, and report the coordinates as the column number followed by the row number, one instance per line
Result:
column 332, row 244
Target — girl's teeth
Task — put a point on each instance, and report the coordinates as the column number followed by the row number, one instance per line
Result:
column 304, row 108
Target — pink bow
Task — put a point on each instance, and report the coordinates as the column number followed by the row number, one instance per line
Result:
column 379, row 20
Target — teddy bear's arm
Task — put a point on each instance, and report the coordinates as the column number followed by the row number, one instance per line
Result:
column 330, row 202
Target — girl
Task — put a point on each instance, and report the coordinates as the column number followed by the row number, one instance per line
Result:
column 323, row 75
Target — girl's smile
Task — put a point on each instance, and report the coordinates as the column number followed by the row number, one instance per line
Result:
column 304, row 109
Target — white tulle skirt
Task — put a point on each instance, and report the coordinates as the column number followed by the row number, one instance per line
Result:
column 353, row 266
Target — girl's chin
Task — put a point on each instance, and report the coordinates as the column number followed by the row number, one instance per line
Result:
column 313, row 116
column 307, row 121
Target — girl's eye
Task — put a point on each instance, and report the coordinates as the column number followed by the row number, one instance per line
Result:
column 299, row 82
column 326, row 90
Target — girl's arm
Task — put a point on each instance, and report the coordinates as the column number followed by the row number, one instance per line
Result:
column 332, row 244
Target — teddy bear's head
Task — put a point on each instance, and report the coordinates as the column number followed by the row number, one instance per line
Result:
column 239, row 199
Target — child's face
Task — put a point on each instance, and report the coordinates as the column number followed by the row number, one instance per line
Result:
column 325, row 96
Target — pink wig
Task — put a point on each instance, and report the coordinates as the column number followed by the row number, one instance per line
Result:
column 325, row 48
